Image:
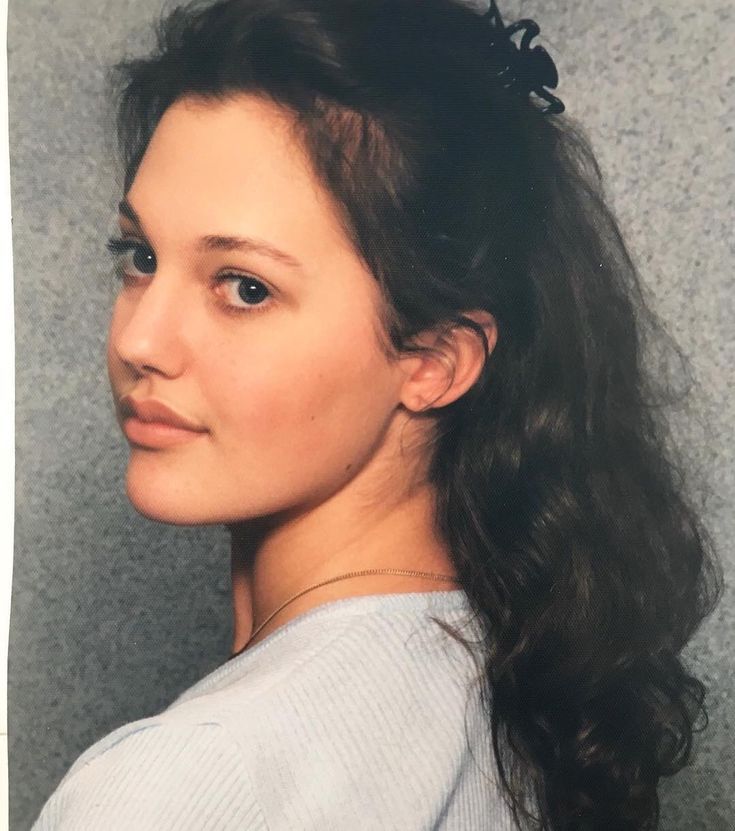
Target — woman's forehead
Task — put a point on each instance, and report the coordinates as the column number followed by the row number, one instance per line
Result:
column 225, row 145
column 233, row 163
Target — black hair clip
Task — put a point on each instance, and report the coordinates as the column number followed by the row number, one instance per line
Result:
column 525, row 70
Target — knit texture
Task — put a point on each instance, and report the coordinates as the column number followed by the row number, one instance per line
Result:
column 360, row 713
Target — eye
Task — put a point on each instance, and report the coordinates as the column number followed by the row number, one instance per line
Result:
column 243, row 292
column 133, row 258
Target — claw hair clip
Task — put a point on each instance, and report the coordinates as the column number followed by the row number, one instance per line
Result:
column 525, row 70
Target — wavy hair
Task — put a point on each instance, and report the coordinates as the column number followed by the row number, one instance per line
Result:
column 558, row 489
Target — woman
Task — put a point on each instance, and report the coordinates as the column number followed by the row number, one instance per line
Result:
column 376, row 318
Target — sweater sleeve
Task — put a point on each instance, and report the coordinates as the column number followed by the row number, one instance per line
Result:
column 160, row 777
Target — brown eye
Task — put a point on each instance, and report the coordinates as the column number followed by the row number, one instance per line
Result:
column 144, row 260
column 244, row 292
column 251, row 291
column 132, row 256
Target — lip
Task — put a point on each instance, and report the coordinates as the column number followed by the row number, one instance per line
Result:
column 151, row 423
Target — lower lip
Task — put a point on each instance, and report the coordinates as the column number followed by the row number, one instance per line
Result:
column 157, row 434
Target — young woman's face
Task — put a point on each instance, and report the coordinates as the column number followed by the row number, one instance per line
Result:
column 273, row 357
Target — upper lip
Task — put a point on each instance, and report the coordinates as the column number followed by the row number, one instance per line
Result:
column 150, row 409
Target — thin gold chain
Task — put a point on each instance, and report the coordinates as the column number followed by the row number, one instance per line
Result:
column 400, row 571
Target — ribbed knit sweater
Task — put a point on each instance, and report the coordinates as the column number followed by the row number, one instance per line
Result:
column 361, row 714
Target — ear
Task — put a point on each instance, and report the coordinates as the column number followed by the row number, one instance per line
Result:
column 453, row 364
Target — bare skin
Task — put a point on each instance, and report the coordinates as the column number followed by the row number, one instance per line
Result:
column 313, row 443
column 394, row 537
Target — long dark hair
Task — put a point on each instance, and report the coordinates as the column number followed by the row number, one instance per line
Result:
column 558, row 490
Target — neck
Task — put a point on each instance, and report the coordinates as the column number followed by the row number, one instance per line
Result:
column 275, row 558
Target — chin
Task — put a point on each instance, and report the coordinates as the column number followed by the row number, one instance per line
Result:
column 158, row 498
column 169, row 511
column 170, row 496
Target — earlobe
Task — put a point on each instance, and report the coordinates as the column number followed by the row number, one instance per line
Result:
column 453, row 362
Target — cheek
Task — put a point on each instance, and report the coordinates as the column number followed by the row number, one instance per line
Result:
column 311, row 392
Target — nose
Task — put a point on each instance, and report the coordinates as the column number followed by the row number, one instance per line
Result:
column 147, row 331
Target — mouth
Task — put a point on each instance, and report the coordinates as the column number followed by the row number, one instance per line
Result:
column 153, row 424
column 156, row 434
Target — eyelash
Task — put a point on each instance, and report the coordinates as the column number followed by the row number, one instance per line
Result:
column 119, row 246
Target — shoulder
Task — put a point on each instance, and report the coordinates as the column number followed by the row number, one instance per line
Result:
column 336, row 706
column 346, row 710
column 156, row 774
column 331, row 665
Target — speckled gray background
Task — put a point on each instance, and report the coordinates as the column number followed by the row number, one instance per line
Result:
column 112, row 615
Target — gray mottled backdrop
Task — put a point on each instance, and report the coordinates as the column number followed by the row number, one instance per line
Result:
column 112, row 614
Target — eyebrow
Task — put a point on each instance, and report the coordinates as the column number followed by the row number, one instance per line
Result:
column 221, row 242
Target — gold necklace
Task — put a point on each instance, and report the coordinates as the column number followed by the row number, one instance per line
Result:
column 401, row 571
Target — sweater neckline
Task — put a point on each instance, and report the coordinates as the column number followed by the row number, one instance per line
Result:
column 451, row 600
column 364, row 604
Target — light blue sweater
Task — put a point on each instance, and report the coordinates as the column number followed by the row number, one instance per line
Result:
column 358, row 715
